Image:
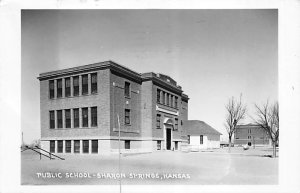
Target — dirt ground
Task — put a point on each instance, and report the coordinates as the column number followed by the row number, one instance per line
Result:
column 210, row 167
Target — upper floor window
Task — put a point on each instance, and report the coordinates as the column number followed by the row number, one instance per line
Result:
column 51, row 89
column 59, row 88
column 76, row 118
column 52, row 119
column 52, row 146
column 94, row 83
column 201, row 139
column 176, row 124
column 94, row 116
column 171, row 101
column 168, row 97
column 59, row 119
column 127, row 89
column 127, row 116
column 176, row 102
column 85, row 84
column 67, row 87
column 75, row 85
column 158, row 98
column 158, row 121
column 85, row 117
column 68, row 118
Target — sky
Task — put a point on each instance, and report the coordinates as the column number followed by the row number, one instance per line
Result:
column 212, row 54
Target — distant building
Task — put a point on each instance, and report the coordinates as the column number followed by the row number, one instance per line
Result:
column 201, row 135
column 80, row 108
column 251, row 134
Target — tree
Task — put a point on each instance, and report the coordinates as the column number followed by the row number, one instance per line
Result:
column 236, row 112
column 267, row 116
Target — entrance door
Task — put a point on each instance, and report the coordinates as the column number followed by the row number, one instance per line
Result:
column 168, row 138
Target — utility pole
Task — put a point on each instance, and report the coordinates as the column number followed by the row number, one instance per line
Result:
column 119, row 152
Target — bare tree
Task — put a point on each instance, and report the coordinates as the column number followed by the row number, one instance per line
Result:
column 236, row 111
column 267, row 117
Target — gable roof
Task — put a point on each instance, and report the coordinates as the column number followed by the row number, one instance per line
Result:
column 196, row 127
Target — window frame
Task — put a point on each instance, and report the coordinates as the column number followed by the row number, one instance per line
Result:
column 67, row 88
column 76, row 149
column 84, row 84
column 158, row 121
column 59, row 119
column 127, row 144
column 95, row 147
column 85, row 146
column 94, row 85
column 76, row 123
column 94, row 116
column 51, row 90
column 85, row 120
column 59, row 88
column 68, row 146
column 127, row 89
column 201, row 139
column 158, row 145
column 76, row 91
column 60, row 146
column 51, row 146
column 52, row 121
column 68, row 121
column 127, row 117
column 176, row 124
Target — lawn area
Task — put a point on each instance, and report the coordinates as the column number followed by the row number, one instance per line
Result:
column 162, row 168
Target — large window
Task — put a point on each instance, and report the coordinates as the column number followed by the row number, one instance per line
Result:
column 127, row 89
column 59, row 119
column 52, row 119
column 201, row 139
column 51, row 89
column 176, row 102
column 68, row 118
column 127, row 116
column 85, row 146
column 85, row 84
column 94, row 146
column 75, row 85
column 94, row 83
column 171, row 101
column 76, row 146
column 85, row 117
column 52, row 146
column 68, row 146
column 158, row 117
column 67, row 87
column 158, row 98
column 76, row 118
column 127, row 144
column 94, row 116
column 167, row 99
column 176, row 124
column 59, row 146
column 59, row 88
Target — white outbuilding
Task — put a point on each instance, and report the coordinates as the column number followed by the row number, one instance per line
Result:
column 201, row 135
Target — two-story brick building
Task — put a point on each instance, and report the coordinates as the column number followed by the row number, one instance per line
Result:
column 81, row 109
column 251, row 134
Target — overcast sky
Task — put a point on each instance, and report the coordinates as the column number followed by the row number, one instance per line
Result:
column 212, row 54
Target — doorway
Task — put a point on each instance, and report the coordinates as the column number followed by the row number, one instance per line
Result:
column 168, row 138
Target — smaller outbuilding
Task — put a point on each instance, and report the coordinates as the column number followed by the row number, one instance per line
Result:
column 201, row 135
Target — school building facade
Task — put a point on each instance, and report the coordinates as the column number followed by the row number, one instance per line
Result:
column 83, row 109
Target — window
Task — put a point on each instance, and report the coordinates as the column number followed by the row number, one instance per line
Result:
column 85, row 117
column 59, row 119
column 76, row 146
column 168, row 99
column 85, row 84
column 68, row 146
column 127, row 116
column 164, row 98
column 52, row 146
column 76, row 86
column 59, row 88
column 176, row 125
column 59, row 146
column 94, row 116
column 94, row 146
column 94, row 83
column 52, row 119
column 127, row 89
column 67, row 87
column 189, row 139
column 171, row 103
column 158, row 145
column 249, row 137
column 51, row 89
column 76, row 118
column 158, row 116
column 68, row 118
column 158, row 96
column 127, row 144
column 176, row 102
column 176, row 145
column 85, row 146
column 201, row 139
